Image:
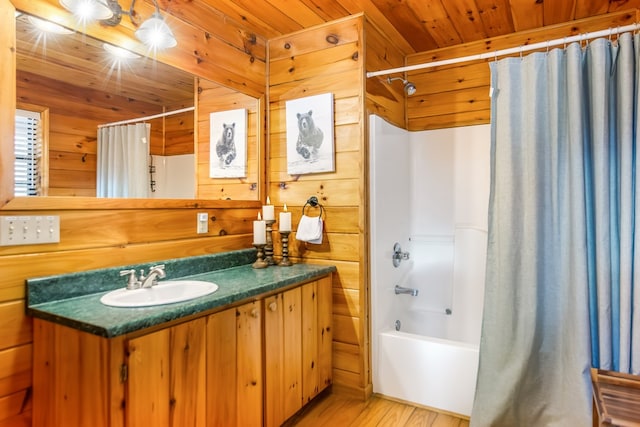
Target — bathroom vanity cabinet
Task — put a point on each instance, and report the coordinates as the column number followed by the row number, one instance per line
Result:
column 250, row 364
column 297, row 348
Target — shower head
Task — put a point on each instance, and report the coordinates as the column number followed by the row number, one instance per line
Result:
column 409, row 87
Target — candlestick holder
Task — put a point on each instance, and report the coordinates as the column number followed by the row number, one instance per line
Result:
column 268, row 248
column 285, row 249
column 260, row 263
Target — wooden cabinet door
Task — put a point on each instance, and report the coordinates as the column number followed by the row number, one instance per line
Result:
column 166, row 377
column 273, row 361
column 221, row 369
column 292, row 352
column 316, row 337
column 250, row 384
column 187, row 379
column 234, row 367
column 283, row 354
column 76, row 379
column 297, row 348
column 148, row 380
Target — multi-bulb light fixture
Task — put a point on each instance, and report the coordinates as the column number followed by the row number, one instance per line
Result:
column 153, row 32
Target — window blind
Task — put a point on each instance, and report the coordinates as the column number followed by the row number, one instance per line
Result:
column 28, row 153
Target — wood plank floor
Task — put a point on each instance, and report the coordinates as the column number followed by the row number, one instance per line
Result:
column 334, row 410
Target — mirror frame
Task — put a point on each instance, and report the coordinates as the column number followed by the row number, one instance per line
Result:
column 115, row 35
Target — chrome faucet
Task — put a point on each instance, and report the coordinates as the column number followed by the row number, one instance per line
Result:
column 410, row 291
column 398, row 255
column 156, row 272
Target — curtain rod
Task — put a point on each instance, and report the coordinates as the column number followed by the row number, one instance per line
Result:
column 509, row 51
column 142, row 119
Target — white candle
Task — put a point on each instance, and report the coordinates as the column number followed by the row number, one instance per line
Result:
column 259, row 232
column 267, row 211
column 285, row 220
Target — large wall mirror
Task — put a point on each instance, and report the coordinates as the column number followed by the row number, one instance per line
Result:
column 84, row 91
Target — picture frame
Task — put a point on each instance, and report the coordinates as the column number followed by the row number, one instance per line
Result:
column 310, row 135
column 228, row 144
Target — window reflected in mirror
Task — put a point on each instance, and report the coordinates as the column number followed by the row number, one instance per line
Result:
column 30, row 151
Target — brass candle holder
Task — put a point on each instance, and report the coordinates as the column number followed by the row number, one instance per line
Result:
column 285, row 249
column 268, row 248
column 260, row 262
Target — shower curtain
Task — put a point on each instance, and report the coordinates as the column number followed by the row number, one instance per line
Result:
column 561, row 264
column 123, row 161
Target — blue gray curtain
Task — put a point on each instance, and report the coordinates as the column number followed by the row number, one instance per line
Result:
column 561, row 264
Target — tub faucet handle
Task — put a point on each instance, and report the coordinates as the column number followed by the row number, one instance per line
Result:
column 398, row 255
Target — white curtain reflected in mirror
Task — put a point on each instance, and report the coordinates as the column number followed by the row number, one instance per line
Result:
column 173, row 177
column 123, row 161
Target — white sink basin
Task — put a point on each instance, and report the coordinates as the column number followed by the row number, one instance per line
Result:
column 166, row 292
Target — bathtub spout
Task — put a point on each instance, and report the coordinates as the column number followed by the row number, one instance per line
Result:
column 409, row 291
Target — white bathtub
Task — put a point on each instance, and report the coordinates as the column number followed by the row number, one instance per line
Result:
column 429, row 193
column 432, row 372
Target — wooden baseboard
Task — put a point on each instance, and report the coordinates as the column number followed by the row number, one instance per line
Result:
column 356, row 393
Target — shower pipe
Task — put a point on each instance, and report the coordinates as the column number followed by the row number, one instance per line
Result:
column 142, row 119
column 509, row 51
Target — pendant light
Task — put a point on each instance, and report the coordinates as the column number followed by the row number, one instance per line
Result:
column 88, row 10
column 153, row 32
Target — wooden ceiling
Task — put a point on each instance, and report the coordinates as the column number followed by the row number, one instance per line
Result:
column 419, row 25
column 414, row 26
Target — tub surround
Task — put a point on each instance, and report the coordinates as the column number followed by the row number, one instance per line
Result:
column 425, row 348
column 74, row 299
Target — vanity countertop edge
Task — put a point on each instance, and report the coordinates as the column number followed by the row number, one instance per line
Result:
column 237, row 283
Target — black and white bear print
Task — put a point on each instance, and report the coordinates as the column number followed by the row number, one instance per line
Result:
column 226, row 146
column 309, row 136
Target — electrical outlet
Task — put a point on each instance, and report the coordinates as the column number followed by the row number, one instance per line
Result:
column 203, row 223
column 29, row 230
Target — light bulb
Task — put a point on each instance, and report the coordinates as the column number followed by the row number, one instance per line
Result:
column 155, row 33
column 88, row 10
column 48, row 26
column 119, row 52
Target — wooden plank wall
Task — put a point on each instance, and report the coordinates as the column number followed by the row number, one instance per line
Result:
column 384, row 99
column 324, row 59
column 458, row 95
column 179, row 133
column 114, row 233
column 212, row 97
column 328, row 59
column 74, row 115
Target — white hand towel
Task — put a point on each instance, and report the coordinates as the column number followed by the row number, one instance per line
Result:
column 310, row 229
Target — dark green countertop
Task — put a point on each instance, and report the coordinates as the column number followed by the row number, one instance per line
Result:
column 85, row 312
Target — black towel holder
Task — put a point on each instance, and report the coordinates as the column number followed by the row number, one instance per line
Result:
column 313, row 202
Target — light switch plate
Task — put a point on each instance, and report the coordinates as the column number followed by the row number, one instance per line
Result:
column 203, row 223
column 29, row 230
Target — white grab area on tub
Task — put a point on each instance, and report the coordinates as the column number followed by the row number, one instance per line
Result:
column 429, row 371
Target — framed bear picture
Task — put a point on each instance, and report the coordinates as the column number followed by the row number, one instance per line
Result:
column 228, row 144
column 310, row 145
